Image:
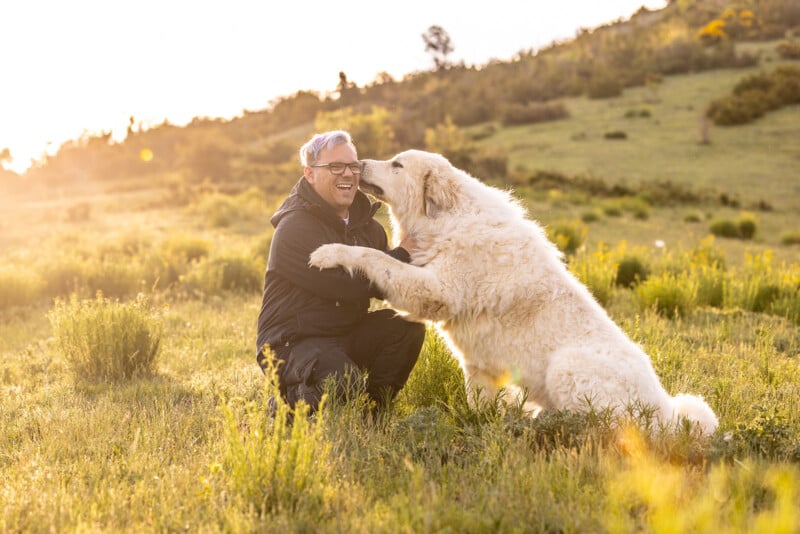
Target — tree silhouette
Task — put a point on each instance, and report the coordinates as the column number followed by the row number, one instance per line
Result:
column 347, row 89
column 438, row 44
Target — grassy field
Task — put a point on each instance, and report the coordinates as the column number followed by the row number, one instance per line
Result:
column 751, row 163
column 188, row 443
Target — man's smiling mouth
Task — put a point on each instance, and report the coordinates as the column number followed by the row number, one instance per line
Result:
column 344, row 187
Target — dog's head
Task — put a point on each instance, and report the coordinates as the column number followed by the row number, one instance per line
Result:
column 414, row 183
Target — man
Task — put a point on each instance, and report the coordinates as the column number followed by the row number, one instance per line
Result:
column 316, row 322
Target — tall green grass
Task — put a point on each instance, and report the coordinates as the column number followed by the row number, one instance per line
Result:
column 105, row 340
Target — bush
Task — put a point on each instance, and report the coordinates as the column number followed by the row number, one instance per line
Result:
column 597, row 272
column 533, row 112
column 68, row 273
column 671, row 295
column 106, row 340
column 738, row 109
column 759, row 286
column 791, row 237
column 274, row 459
column 724, row 228
column 616, row 134
column 634, row 113
column 225, row 273
column 748, row 223
column 604, row 87
column 18, row 286
column 743, row 228
column 710, row 285
column 755, row 95
column 693, row 217
column 788, row 50
column 436, row 378
column 187, row 248
column 631, row 270
column 591, row 216
column 568, row 235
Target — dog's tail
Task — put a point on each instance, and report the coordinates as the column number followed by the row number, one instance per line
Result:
column 695, row 409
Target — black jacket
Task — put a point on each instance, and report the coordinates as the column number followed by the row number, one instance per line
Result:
column 300, row 301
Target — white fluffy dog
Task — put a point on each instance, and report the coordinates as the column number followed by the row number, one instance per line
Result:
column 499, row 293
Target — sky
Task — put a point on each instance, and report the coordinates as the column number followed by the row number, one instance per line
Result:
column 74, row 67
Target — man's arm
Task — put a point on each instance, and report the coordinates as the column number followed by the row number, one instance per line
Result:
column 294, row 240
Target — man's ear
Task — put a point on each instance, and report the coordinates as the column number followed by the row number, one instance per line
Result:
column 308, row 172
column 439, row 194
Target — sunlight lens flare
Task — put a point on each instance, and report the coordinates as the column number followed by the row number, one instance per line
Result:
column 146, row 155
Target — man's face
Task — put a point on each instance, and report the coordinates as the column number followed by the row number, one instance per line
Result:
column 337, row 190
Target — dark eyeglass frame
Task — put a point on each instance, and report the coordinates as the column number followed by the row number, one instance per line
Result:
column 338, row 167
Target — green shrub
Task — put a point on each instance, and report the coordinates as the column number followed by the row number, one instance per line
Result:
column 533, row 112
column 604, row 87
column 693, row 217
column 669, row 294
column 225, row 273
column 710, row 282
column 436, row 378
column 724, row 228
column 114, row 279
column 187, row 247
column 273, row 459
column 755, row 95
column 597, row 271
column 568, row 235
column 612, row 209
column 591, row 216
column 219, row 210
column 633, row 113
column 791, row 237
column 65, row 274
column 758, row 286
column 615, row 134
column 788, row 50
column 175, row 258
column 18, row 286
column 104, row 340
column 128, row 244
column 738, row 109
column 260, row 247
column 631, row 270
column 747, row 223
column 766, row 434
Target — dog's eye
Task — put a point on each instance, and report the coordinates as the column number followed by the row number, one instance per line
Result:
column 397, row 165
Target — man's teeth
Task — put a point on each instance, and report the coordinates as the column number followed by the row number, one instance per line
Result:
column 345, row 187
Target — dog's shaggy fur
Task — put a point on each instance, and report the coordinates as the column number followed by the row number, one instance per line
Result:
column 499, row 292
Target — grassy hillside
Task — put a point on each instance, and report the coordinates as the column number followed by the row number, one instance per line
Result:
column 187, row 443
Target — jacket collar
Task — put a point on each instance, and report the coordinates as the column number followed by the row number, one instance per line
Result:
column 304, row 197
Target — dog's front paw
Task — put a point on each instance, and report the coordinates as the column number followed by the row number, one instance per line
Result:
column 330, row 256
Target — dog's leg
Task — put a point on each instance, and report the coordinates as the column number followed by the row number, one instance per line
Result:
column 412, row 289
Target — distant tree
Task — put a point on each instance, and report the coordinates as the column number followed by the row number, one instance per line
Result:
column 347, row 89
column 372, row 132
column 5, row 157
column 438, row 44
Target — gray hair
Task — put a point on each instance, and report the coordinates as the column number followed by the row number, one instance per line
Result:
column 309, row 152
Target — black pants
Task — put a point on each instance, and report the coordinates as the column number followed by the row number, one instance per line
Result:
column 384, row 345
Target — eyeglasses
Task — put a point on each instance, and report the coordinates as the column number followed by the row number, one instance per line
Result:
column 338, row 167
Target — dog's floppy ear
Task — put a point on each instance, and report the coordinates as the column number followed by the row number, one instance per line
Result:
column 439, row 194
